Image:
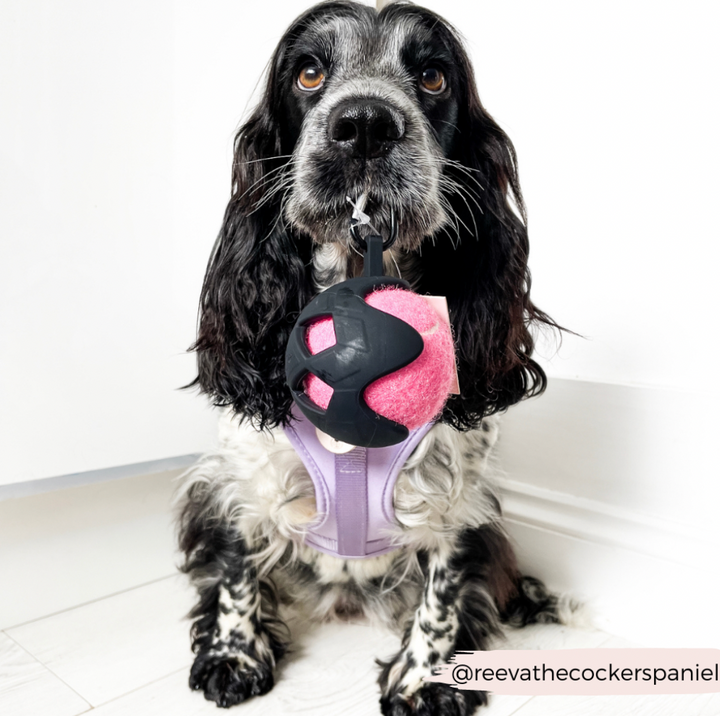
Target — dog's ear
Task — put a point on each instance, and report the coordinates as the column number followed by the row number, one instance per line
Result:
column 256, row 281
column 480, row 262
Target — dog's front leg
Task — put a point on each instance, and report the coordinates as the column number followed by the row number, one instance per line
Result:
column 440, row 625
column 235, row 635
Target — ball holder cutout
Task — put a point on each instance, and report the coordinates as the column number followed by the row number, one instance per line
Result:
column 369, row 344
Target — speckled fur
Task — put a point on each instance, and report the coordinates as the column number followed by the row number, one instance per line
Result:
column 256, row 491
column 244, row 508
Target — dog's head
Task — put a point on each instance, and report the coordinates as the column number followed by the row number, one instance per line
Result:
column 384, row 106
column 375, row 102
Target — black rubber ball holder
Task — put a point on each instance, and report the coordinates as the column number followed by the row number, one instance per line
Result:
column 369, row 344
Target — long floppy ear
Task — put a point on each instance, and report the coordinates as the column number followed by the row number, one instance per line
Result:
column 256, row 281
column 480, row 264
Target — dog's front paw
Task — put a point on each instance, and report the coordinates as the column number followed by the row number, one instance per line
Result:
column 433, row 699
column 230, row 679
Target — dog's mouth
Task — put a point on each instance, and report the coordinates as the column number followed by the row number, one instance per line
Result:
column 367, row 217
column 376, row 208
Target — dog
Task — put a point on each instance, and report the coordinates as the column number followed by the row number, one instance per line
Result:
column 382, row 105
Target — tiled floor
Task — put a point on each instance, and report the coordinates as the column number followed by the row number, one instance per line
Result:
column 92, row 618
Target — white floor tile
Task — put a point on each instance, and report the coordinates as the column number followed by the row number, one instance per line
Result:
column 27, row 688
column 539, row 636
column 617, row 642
column 331, row 670
column 170, row 696
column 129, row 654
column 69, row 547
column 109, row 647
column 550, row 636
column 666, row 705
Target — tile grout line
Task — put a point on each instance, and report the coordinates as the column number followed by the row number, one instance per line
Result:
column 522, row 706
column 90, row 707
column 602, row 643
column 142, row 686
column 91, row 601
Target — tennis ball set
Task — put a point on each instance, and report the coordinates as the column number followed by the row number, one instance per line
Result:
column 370, row 365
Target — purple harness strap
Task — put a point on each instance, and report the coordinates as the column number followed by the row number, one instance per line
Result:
column 353, row 491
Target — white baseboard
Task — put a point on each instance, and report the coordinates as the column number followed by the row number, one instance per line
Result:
column 611, row 494
column 650, row 581
column 650, row 602
column 61, row 482
column 602, row 524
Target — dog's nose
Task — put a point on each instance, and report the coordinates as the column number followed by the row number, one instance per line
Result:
column 367, row 128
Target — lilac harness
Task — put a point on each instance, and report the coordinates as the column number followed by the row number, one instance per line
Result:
column 353, row 491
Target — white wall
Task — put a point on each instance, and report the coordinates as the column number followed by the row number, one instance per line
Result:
column 115, row 136
column 613, row 478
column 614, row 115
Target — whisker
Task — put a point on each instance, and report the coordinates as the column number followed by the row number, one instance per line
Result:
column 456, row 189
column 262, row 159
column 265, row 177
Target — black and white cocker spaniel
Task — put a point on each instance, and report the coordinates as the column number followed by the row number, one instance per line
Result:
column 381, row 104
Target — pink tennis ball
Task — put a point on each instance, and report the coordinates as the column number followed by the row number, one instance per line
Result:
column 415, row 394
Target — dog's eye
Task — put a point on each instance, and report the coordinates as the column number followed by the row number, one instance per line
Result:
column 311, row 77
column 432, row 80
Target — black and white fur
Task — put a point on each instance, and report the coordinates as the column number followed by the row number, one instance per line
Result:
column 448, row 172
